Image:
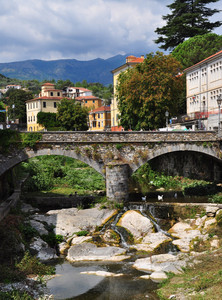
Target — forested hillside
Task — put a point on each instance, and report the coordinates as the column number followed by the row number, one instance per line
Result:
column 97, row 70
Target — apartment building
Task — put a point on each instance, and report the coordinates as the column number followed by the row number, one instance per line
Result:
column 100, row 119
column 204, row 88
column 47, row 101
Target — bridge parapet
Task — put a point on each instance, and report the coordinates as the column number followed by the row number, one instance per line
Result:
column 129, row 137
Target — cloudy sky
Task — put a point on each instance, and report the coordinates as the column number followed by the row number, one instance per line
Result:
column 80, row 29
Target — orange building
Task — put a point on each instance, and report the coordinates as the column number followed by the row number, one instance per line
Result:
column 91, row 102
column 100, row 119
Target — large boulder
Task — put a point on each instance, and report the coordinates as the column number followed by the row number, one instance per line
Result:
column 90, row 252
column 42, row 251
column 161, row 263
column 38, row 226
column 152, row 241
column 138, row 225
column 71, row 220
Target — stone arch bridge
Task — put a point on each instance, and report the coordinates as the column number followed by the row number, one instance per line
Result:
column 116, row 155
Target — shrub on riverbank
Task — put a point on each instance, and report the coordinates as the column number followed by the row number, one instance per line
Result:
column 59, row 173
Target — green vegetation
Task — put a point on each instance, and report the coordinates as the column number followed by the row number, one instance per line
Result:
column 31, row 265
column 11, row 138
column 72, row 115
column 197, row 48
column 82, row 233
column 216, row 198
column 15, row 265
column 188, row 18
column 146, row 178
column 15, row 295
column 16, row 99
column 61, row 175
column 202, row 282
column 48, row 120
column 30, row 139
column 148, row 90
column 7, row 138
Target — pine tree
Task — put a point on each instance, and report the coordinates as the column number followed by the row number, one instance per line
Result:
column 188, row 18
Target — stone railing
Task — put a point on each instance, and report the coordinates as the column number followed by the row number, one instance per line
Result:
column 128, row 137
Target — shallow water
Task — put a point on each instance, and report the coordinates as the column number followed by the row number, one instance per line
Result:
column 71, row 284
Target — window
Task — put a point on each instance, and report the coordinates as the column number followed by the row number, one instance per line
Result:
column 34, row 118
column 31, row 118
column 98, row 124
column 51, row 93
column 55, row 104
column 58, row 94
column 94, row 123
column 34, row 105
column 85, row 101
column 98, row 116
column 44, row 104
column 93, row 101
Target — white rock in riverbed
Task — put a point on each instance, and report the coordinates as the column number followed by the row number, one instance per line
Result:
column 160, row 263
column 90, row 252
column 44, row 252
column 158, row 276
column 102, row 273
column 71, row 220
column 152, row 241
column 136, row 224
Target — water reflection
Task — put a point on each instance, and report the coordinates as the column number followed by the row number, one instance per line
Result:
column 71, row 284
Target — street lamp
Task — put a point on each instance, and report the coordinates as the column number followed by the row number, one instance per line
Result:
column 167, row 115
column 219, row 101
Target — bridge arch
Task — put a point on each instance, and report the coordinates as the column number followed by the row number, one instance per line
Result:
column 190, row 149
column 27, row 154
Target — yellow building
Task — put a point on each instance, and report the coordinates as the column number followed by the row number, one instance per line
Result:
column 90, row 102
column 99, row 119
column 131, row 61
column 46, row 102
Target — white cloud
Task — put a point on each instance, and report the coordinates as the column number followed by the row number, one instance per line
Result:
column 86, row 29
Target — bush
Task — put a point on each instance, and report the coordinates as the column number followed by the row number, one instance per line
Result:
column 216, row 198
column 30, row 139
column 200, row 188
column 31, row 265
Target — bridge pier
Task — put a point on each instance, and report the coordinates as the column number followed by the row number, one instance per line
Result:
column 117, row 185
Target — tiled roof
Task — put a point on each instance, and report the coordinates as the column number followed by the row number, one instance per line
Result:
column 100, row 109
column 53, row 90
column 87, row 98
column 202, row 61
column 48, row 84
column 80, row 88
column 45, row 98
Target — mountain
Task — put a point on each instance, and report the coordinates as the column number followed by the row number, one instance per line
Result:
column 97, row 70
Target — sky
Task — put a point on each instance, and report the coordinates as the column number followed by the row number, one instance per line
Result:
column 81, row 29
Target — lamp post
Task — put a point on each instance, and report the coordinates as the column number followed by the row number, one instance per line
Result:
column 219, row 101
column 167, row 115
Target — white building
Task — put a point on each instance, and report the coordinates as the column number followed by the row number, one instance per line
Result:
column 12, row 86
column 73, row 92
column 204, row 87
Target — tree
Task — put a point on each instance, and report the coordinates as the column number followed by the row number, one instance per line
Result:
column 48, row 120
column 16, row 101
column 197, row 48
column 148, row 90
column 71, row 115
column 188, row 18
